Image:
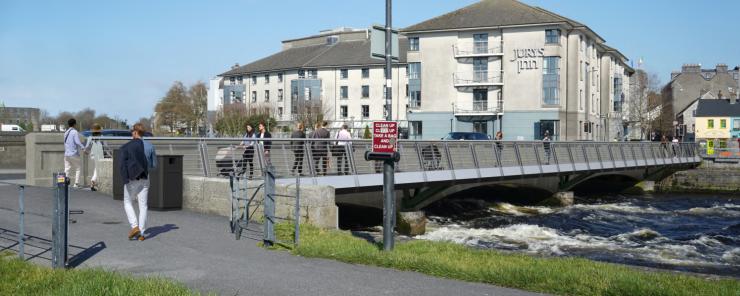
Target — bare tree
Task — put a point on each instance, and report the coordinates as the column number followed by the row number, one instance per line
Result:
column 644, row 88
column 198, row 101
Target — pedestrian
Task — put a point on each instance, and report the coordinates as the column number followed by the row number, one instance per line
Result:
column 138, row 158
column 674, row 146
column 96, row 153
column 320, row 150
column 248, row 145
column 298, row 148
column 266, row 144
column 546, row 144
column 343, row 136
column 499, row 138
column 664, row 145
column 72, row 148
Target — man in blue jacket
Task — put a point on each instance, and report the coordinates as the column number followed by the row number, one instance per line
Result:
column 137, row 159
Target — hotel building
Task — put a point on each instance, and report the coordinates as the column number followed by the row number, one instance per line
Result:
column 494, row 65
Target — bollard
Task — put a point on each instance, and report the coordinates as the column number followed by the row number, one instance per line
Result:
column 269, row 208
column 60, row 220
column 21, row 223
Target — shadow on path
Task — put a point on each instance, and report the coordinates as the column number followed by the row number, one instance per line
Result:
column 157, row 230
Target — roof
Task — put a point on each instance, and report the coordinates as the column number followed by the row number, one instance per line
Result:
column 717, row 107
column 493, row 13
column 342, row 53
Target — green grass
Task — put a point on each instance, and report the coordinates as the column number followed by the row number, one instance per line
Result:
column 565, row 276
column 23, row 278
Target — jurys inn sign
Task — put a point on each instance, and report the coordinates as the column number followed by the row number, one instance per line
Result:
column 527, row 58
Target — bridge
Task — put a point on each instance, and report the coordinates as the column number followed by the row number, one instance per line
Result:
column 429, row 170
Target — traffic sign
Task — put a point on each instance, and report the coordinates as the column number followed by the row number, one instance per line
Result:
column 385, row 136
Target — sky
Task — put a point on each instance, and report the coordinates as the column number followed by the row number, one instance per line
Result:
column 120, row 57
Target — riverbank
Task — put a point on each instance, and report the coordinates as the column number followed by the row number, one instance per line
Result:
column 709, row 177
column 565, row 276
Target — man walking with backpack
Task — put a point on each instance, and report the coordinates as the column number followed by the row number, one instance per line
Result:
column 137, row 159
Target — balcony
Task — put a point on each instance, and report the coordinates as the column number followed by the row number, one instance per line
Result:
column 479, row 110
column 478, row 78
column 474, row 50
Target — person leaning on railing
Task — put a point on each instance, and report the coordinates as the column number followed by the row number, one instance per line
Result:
column 343, row 142
column 546, row 145
column 297, row 147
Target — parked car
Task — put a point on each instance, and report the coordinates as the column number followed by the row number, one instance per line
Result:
column 466, row 136
column 115, row 133
column 11, row 128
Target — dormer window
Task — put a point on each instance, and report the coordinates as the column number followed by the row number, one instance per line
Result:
column 331, row 40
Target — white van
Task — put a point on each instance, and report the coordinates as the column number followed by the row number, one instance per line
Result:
column 11, row 128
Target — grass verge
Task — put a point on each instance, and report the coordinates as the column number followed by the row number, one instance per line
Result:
column 565, row 276
column 23, row 278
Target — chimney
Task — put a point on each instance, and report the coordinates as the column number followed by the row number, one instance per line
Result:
column 236, row 65
column 691, row 68
column 721, row 68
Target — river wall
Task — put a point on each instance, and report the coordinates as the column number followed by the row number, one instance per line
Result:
column 708, row 177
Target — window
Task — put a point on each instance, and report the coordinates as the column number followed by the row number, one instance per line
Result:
column 254, row 96
column 736, row 124
column 551, row 127
column 331, row 40
column 413, row 43
column 552, row 36
column 343, row 111
column 280, row 77
column 722, row 144
column 723, row 123
column 280, row 95
column 365, row 91
column 239, row 80
column 480, row 43
column 280, row 111
column 343, row 73
column 710, row 123
column 312, row 74
column 232, row 96
column 267, row 78
column 365, row 72
column 580, row 100
column 267, row 95
column 301, row 74
column 414, row 70
column 618, row 95
column 407, row 90
column 551, row 80
column 480, row 70
column 232, row 80
column 365, row 111
column 343, row 92
column 416, row 129
column 480, row 99
column 582, row 70
column 593, row 103
column 254, row 79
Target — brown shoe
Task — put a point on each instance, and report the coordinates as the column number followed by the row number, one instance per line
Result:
column 141, row 237
column 134, row 232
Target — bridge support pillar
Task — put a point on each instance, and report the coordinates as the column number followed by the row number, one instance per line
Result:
column 411, row 223
column 646, row 186
column 559, row 199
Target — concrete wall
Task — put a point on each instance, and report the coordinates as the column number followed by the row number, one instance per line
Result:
column 212, row 196
column 45, row 156
column 12, row 151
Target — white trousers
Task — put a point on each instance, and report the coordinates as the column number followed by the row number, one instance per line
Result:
column 138, row 189
column 73, row 163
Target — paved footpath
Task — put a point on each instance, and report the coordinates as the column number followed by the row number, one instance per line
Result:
column 199, row 251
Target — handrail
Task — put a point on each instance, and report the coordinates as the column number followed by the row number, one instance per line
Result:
column 434, row 160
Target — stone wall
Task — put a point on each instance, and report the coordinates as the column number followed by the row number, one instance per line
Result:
column 45, row 156
column 708, row 177
column 12, row 151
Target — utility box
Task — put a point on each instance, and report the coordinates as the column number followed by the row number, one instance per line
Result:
column 165, row 182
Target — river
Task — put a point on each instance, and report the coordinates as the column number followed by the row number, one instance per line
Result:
column 686, row 232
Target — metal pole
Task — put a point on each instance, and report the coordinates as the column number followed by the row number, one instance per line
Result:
column 389, row 205
column 269, row 208
column 59, row 221
column 21, row 232
column 296, row 235
column 388, row 70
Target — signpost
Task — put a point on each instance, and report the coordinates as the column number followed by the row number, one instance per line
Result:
column 385, row 135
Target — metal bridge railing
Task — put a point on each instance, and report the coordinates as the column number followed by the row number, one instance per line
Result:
column 219, row 157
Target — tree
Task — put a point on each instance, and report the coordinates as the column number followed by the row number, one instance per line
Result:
column 642, row 104
column 85, row 118
column 367, row 134
column 63, row 117
column 172, row 109
column 231, row 121
column 198, row 103
column 146, row 122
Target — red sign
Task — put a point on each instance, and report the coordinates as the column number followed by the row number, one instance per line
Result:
column 385, row 135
